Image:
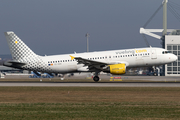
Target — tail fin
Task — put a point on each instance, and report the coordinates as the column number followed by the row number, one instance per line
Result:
column 18, row 48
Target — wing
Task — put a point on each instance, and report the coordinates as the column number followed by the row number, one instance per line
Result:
column 92, row 65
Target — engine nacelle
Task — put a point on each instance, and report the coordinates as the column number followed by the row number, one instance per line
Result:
column 116, row 69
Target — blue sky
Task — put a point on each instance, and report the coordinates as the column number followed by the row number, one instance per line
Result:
column 59, row 26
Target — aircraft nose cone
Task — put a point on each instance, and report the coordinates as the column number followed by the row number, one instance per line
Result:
column 175, row 58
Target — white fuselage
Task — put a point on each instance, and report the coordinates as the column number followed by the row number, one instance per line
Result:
column 114, row 61
column 130, row 57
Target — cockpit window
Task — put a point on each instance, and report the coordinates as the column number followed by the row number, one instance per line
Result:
column 166, row 52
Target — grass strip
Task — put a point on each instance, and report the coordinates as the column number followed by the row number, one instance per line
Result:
column 89, row 103
column 89, row 111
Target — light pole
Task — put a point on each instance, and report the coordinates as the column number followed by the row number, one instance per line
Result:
column 87, row 35
column 165, row 17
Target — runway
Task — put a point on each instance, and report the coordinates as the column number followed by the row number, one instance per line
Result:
column 60, row 84
column 83, row 81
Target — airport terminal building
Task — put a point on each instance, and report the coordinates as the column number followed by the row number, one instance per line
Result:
column 172, row 44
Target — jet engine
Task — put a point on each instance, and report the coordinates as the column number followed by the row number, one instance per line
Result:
column 116, row 69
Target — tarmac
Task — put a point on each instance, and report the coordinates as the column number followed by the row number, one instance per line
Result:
column 86, row 81
column 60, row 84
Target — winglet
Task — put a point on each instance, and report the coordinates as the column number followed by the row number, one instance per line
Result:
column 72, row 57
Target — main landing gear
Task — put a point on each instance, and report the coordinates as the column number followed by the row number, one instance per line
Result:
column 96, row 78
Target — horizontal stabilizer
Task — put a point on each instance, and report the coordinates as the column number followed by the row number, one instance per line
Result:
column 13, row 64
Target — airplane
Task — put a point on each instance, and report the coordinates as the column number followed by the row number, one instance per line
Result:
column 113, row 61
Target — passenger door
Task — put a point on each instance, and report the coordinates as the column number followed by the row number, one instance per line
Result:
column 153, row 54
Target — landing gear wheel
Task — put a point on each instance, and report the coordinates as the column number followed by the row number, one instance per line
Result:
column 155, row 74
column 96, row 78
